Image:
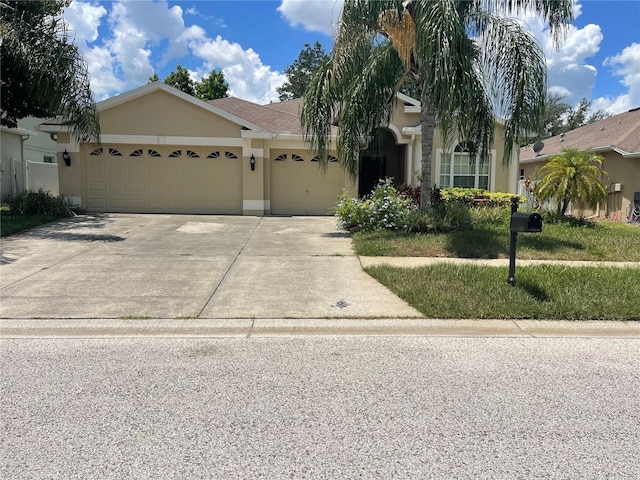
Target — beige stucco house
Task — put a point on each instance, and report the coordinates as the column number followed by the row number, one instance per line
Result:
column 165, row 151
column 617, row 140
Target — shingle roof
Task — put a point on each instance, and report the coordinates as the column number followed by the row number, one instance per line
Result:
column 280, row 117
column 290, row 106
column 619, row 132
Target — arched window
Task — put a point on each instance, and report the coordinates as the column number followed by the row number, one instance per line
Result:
column 281, row 158
column 136, row 153
column 230, row 155
column 214, row 155
column 459, row 169
column 97, row 151
column 153, row 153
column 114, row 153
column 175, row 154
column 296, row 158
column 330, row 158
column 192, row 154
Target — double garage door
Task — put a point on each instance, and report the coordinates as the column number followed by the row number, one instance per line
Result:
column 300, row 187
column 153, row 179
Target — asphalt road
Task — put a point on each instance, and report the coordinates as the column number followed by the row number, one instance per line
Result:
column 320, row 407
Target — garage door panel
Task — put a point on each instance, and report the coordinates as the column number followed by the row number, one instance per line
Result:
column 303, row 188
column 147, row 183
column 136, row 170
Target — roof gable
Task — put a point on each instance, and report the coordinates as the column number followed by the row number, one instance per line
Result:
column 155, row 86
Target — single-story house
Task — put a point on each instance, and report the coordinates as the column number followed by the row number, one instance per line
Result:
column 164, row 151
column 617, row 140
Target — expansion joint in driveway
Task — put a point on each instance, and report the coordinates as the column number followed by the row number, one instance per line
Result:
column 230, row 267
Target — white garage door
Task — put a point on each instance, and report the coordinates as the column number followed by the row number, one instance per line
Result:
column 149, row 179
column 300, row 187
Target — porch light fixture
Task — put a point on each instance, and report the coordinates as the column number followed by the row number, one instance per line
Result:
column 252, row 162
column 66, row 157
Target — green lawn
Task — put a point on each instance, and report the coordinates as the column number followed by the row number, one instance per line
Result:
column 10, row 224
column 541, row 292
column 606, row 241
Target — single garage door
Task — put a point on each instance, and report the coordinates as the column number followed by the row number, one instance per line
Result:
column 149, row 179
column 300, row 187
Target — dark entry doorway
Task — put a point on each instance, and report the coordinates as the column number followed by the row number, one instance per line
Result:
column 372, row 169
column 383, row 158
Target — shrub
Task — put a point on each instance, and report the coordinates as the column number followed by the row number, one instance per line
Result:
column 476, row 197
column 491, row 215
column 550, row 218
column 385, row 208
column 40, row 203
column 440, row 219
column 410, row 192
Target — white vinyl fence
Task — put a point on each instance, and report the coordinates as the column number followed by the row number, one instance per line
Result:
column 34, row 176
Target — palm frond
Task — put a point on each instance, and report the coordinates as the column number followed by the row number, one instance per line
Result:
column 44, row 74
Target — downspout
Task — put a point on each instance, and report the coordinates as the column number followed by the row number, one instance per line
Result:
column 410, row 161
column 25, row 165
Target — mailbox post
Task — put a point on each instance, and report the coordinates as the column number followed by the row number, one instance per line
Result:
column 520, row 222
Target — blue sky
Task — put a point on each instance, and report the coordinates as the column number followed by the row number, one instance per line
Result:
column 126, row 41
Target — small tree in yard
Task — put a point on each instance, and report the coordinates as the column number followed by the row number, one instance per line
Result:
column 573, row 176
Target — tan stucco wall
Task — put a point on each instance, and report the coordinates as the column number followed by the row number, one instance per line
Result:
column 625, row 171
column 160, row 113
column 70, row 178
column 402, row 119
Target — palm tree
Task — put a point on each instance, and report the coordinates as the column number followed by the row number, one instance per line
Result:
column 43, row 73
column 469, row 61
column 573, row 176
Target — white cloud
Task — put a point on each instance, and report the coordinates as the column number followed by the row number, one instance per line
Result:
column 314, row 15
column 569, row 72
column 102, row 68
column 247, row 76
column 143, row 32
column 626, row 64
column 84, row 20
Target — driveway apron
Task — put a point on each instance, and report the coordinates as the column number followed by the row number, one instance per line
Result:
column 186, row 266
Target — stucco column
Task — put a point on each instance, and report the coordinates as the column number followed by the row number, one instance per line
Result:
column 70, row 181
column 253, row 200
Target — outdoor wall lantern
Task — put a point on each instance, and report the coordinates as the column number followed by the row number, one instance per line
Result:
column 252, row 162
column 66, row 157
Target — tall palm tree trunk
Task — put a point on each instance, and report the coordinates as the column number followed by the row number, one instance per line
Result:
column 428, row 128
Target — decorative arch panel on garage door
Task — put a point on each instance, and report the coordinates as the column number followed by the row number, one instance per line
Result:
column 163, row 179
column 300, row 187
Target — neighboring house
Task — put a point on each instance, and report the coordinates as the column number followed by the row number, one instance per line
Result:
column 617, row 140
column 165, row 151
column 26, row 160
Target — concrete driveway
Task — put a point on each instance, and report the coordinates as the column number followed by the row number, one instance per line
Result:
column 187, row 266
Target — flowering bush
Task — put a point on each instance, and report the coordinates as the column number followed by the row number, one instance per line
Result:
column 384, row 209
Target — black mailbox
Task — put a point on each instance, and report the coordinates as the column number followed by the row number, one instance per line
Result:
column 526, row 222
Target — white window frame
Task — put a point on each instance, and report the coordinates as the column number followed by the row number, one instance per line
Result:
column 490, row 162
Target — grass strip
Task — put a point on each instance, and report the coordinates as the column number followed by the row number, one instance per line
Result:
column 604, row 242
column 542, row 291
column 10, row 224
